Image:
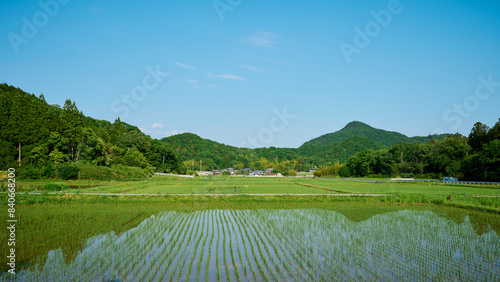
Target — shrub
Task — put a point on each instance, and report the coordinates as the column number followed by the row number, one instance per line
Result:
column 55, row 187
column 28, row 172
column 344, row 171
column 117, row 172
column 67, row 172
column 48, row 172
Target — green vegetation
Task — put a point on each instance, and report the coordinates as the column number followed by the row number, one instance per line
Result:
column 209, row 236
column 473, row 196
column 356, row 128
column 325, row 150
column 137, row 238
column 58, row 142
column 476, row 157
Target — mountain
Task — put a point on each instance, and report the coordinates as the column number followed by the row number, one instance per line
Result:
column 381, row 136
column 329, row 148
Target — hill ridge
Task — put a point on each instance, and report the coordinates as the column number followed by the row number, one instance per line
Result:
column 357, row 128
column 355, row 137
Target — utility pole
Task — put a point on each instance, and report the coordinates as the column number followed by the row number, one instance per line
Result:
column 201, row 161
column 19, row 154
column 163, row 159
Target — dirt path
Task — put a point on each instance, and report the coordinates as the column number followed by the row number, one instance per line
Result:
column 262, row 194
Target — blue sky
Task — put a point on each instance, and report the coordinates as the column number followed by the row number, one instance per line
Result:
column 260, row 73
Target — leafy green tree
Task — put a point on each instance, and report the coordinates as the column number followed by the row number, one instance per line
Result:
column 116, row 131
column 8, row 154
column 363, row 163
column 325, row 170
column 134, row 157
column 72, row 125
column 91, row 148
column 478, row 136
column 39, row 155
column 114, row 154
column 344, row 171
column 164, row 158
column 135, row 139
column 447, row 155
column 490, row 160
column 494, row 133
column 56, row 141
column 56, row 156
column 16, row 127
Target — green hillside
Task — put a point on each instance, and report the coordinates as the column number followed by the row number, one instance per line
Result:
column 354, row 138
column 54, row 139
column 328, row 149
column 381, row 136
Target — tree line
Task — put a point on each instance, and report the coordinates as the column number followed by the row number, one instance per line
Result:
column 44, row 140
column 473, row 157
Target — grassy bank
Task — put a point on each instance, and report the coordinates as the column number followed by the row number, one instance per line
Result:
column 246, row 185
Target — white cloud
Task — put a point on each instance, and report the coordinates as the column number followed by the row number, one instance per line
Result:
column 157, row 125
column 231, row 76
column 252, row 68
column 146, row 131
column 184, row 65
column 174, row 132
column 256, row 69
column 261, row 39
column 226, row 76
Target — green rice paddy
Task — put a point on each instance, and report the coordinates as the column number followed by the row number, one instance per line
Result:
column 244, row 241
column 145, row 233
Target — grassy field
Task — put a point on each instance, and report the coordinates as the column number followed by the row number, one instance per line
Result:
column 248, row 185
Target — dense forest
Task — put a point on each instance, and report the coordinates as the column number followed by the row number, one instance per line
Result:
column 47, row 141
column 476, row 157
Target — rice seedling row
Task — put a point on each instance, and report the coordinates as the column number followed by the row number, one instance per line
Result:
column 244, row 242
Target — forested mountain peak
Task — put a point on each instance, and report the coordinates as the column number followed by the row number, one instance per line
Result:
column 357, row 124
column 357, row 128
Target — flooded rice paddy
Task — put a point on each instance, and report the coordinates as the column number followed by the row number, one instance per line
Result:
column 281, row 245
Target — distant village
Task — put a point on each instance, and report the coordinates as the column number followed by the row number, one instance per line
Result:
column 270, row 172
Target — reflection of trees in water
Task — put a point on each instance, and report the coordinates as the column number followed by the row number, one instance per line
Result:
column 284, row 244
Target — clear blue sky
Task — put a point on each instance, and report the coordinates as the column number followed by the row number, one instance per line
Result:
column 229, row 71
